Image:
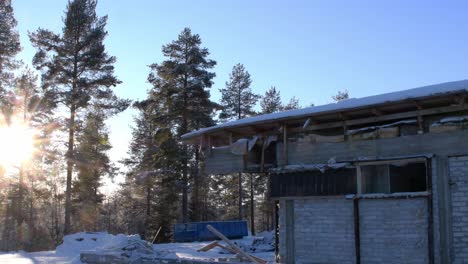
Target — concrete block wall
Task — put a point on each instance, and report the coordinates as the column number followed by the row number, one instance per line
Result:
column 393, row 230
column 323, row 231
column 458, row 171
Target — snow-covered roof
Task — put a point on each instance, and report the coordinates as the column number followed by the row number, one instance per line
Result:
column 353, row 103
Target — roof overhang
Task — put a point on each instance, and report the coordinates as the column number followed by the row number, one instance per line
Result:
column 389, row 106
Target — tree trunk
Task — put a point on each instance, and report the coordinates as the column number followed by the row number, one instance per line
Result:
column 196, row 188
column 19, row 206
column 70, row 163
column 252, row 205
column 148, row 211
column 185, row 217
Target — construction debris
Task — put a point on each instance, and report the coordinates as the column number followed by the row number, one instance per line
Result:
column 232, row 247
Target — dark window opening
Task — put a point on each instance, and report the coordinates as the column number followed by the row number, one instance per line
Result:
column 394, row 177
column 314, row 183
column 408, row 178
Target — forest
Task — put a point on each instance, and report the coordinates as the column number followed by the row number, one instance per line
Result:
column 56, row 106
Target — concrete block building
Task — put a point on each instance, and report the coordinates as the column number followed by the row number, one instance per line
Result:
column 379, row 179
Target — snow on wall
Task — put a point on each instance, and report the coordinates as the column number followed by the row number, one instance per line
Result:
column 353, row 103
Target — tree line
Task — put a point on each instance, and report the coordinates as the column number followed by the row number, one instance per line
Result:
column 67, row 98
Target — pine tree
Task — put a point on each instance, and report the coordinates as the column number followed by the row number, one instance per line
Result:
column 77, row 70
column 9, row 45
column 9, row 48
column 292, row 104
column 28, row 109
column 237, row 99
column 181, row 85
column 154, row 163
column 271, row 101
column 93, row 164
column 341, row 95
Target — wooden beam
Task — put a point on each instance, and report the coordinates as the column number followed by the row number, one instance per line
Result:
column 233, row 245
column 343, row 116
column 262, row 161
column 376, row 112
column 285, row 145
column 460, row 99
column 210, row 151
column 418, row 105
column 389, row 117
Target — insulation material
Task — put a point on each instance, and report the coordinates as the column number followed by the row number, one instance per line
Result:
column 327, row 139
column 448, row 124
column 310, row 167
column 270, row 139
column 373, row 128
column 314, row 138
column 240, row 147
column 364, row 136
column 440, row 128
column 388, row 132
column 375, row 132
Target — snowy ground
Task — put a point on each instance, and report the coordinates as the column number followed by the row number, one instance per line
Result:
column 69, row 251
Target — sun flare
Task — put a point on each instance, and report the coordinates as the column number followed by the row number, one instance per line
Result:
column 16, row 144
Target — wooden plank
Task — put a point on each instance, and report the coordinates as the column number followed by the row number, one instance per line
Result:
column 230, row 250
column 209, row 246
column 285, row 145
column 262, row 159
column 233, row 246
column 157, row 233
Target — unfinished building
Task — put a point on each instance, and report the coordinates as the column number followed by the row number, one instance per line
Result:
column 380, row 179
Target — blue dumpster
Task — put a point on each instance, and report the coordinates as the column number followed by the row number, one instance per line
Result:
column 197, row 231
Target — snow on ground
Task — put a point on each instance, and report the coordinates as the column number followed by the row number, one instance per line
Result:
column 69, row 251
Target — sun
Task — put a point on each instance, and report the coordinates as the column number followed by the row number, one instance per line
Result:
column 16, row 144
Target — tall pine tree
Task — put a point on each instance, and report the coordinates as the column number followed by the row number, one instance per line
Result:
column 181, row 85
column 77, row 70
column 271, row 101
column 9, row 48
column 237, row 99
column 292, row 104
column 341, row 95
column 9, row 45
column 92, row 164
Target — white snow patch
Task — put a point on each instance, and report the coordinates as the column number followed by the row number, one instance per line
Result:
column 310, row 167
column 104, row 243
column 372, row 128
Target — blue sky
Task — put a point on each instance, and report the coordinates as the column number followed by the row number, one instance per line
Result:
column 307, row 49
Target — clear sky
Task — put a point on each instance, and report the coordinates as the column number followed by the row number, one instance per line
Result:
column 307, row 49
